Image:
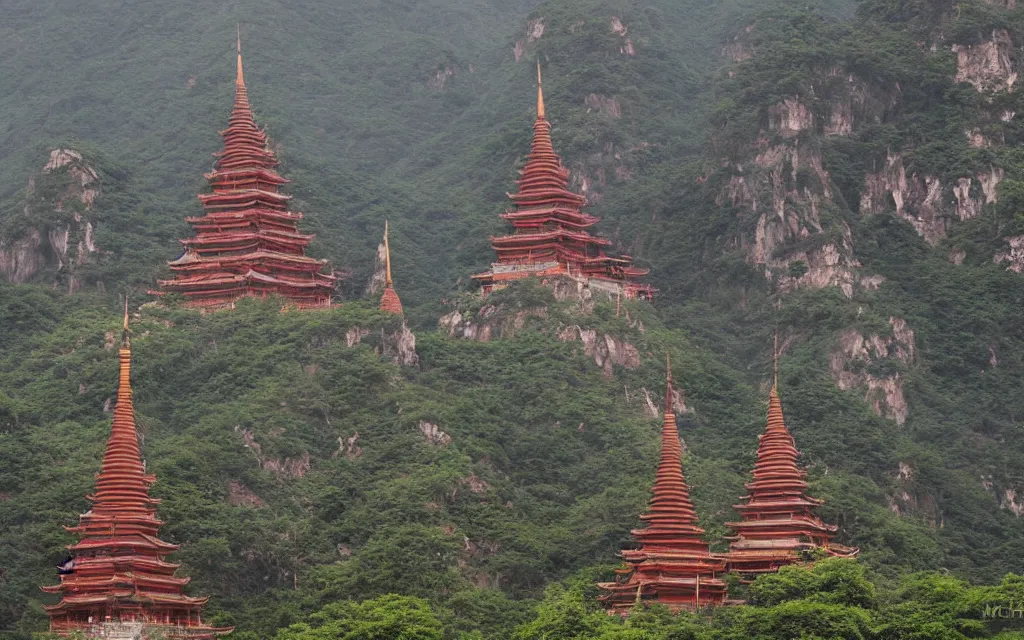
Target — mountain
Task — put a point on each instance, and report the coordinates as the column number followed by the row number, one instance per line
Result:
column 847, row 176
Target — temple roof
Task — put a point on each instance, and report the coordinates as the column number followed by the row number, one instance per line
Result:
column 247, row 243
column 119, row 558
column 674, row 564
column 250, row 276
column 189, row 258
column 778, row 518
column 122, row 485
column 245, row 144
column 549, row 223
column 671, row 518
column 776, row 473
column 555, row 235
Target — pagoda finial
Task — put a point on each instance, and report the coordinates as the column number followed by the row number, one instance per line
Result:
column 387, row 257
column 239, row 77
column 779, row 524
column 117, row 571
column 125, row 342
column 540, row 94
column 674, row 565
column 389, row 301
column 668, row 383
column 775, row 360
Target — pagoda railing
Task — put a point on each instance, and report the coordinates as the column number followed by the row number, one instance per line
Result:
column 131, row 630
column 506, row 267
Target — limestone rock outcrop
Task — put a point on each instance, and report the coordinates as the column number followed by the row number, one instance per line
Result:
column 857, row 362
column 56, row 229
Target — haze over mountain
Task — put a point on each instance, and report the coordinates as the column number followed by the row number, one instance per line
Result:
column 845, row 173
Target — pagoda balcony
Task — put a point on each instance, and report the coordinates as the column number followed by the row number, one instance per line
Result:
column 245, row 176
column 116, row 528
column 553, row 214
column 225, row 298
column 249, row 278
column 221, row 186
column 258, row 234
column 138, row 582
column 301, row 271
column 190, row 261
column 543, row 182
column 138, row 630
column 777, row 457
column 547, row 197
column 698, row 555
column 246, row 162
column 745, row 545
column 208, row 250
column 244, row 136
column 242, row 196
column 146, row 563
column 241, row 271
column 779, row 503
column 244, row 226
column 242, row 129
column 245, row 155
column 796, row 524
column 128, row 596
column 544, row 164
column 252, row 215
column 554, row 235
column 148, row 543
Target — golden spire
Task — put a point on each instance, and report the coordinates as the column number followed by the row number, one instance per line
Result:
column 389, row 301
column 540, row 94
column 775, row 358
column 239, row 77
column 387, row 257
column 668, row 383
column 125, row 343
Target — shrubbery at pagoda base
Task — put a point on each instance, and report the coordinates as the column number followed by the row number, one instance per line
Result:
column 836, row 599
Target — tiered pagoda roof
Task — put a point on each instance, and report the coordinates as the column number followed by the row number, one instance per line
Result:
column 248, row 242
column 389, row 301
column 674, row 565
column 778, row 525
column 117, row 578
column 551, row 234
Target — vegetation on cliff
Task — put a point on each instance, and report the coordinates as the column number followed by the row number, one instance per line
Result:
column 321, row 490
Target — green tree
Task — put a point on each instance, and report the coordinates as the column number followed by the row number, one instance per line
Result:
column 389, row 617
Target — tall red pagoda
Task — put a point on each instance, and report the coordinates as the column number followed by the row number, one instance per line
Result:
column 116, row 582
column 389, row 301
column 551, row 236
column 247, row 244
column 674, row 565
column 778, row 525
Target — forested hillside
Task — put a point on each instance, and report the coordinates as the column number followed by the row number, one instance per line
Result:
column 847, row 174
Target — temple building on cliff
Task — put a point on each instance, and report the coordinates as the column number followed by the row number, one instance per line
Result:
column 778, row 525
column 116, row 582
column 674, row 566
column 389, row 302
column 247, row 244
column 550, row 236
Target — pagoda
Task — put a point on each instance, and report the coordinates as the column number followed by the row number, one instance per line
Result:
column 247, row 244
column 778, row 525
column 116, row 582
column 550, row 236
column 674, row 566
column 389, row 302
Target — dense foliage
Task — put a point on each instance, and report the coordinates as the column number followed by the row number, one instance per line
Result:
column 321, row 491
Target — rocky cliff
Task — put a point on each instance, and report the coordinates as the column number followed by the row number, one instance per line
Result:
column 560, row 306
column 54, row 232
